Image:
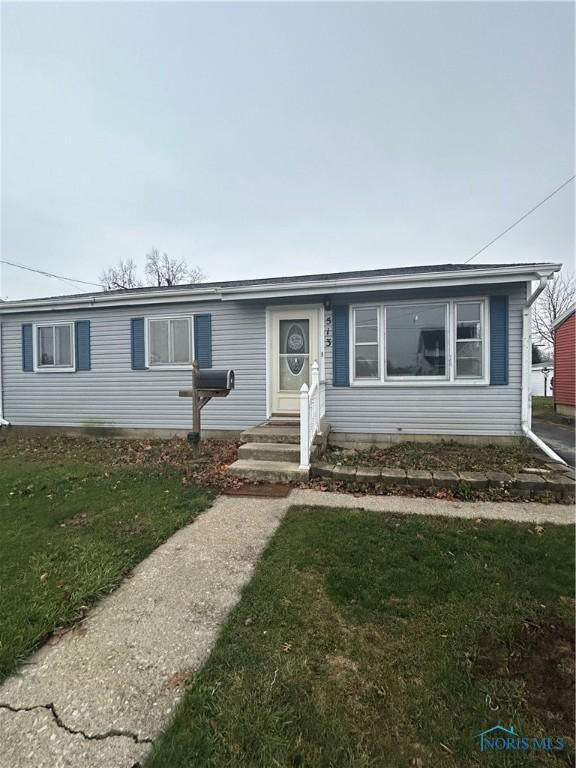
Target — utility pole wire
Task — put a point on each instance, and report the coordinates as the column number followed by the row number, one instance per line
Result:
column 564, row 184
column 48, row 274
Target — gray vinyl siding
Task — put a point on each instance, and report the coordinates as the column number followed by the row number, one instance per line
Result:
column 442, row 410
column 113, row 395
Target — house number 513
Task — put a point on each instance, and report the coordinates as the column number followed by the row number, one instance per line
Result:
column 328, row 330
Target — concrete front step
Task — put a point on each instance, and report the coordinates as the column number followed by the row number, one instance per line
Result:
column 268, row 471
column 270, row 452
column 270, row 433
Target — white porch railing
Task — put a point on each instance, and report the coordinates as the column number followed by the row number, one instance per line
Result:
column 311, row 411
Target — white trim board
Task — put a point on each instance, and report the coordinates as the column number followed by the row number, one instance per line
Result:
column 289, row 288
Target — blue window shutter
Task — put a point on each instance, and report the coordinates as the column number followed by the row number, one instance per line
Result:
column 137, row 336
column 27, row 348
column 203, row 340
column 82, row 338
column 498, row 340
column 340, row 350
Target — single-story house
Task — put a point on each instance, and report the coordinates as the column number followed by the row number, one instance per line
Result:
column 565, row 363
column 435, row 351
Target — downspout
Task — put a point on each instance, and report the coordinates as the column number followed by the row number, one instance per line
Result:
column 526, row 372
column 3, row 422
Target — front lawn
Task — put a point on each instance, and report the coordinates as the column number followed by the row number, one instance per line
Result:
column 70, row 529
column 443, row 455
column 367, row 640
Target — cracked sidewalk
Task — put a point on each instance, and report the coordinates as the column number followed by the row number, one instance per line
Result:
column 32, row 738
column 101, row 695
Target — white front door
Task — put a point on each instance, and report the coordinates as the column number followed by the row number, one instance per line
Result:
column 294, row 346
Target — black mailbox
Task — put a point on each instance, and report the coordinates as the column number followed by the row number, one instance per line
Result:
column 215, row 380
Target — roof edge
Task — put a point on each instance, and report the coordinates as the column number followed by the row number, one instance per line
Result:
column 284, row 287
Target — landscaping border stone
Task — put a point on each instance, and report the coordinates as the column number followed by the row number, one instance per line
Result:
column 559, row 481
column 498, row 479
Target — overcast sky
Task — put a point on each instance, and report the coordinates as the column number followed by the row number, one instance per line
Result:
column 269, row 139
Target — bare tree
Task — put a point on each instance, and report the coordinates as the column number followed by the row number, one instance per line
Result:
column 122, row 275
column 160, row 270
column 554, row 300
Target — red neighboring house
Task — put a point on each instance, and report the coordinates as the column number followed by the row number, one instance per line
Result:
column 565, row 363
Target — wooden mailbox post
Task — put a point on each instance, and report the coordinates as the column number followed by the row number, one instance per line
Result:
column 205, row 385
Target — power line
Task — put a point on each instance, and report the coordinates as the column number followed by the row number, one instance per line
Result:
column 564, row 184
column 69, row 280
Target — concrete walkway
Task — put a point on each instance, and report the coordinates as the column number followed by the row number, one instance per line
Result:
column 521, row 512
column 100, row 697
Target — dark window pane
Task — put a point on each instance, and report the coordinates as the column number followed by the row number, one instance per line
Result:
column 471, row 331
column 366, row 361
column 416, row 340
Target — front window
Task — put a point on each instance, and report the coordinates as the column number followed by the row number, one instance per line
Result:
column 366, row 343
column 170, row 341
column 54, row 346
column 427, row 342
column 416, row 340
column 469, row 341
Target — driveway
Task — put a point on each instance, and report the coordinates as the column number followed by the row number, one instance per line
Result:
column 559, row 437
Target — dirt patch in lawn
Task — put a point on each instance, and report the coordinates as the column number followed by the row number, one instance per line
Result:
column 444, row 455
column 542, row 656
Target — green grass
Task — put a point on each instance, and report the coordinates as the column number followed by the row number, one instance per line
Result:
column 381, row 640
column 543, row 408
column 69, row 532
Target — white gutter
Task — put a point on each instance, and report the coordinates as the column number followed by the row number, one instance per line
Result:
column 483, row 275
column 289, row 287
column 3, row 422
column 527, row 370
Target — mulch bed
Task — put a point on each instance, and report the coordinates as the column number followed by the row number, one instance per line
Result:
column 444, row 455
column 450, row 494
